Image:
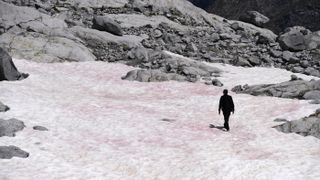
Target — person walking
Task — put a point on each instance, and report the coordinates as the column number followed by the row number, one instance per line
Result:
column 227, row 106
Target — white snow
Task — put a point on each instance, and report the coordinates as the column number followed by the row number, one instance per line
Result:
column 101, row 127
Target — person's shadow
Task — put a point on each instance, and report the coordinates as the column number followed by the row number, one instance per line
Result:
column 217, row 127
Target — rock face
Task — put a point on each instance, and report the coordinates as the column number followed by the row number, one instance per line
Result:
column 8, row 70
column 104, row 23
column 8, row 152
column 254, row 17
column 299, row 89
column 308, row 126
column 3, row 108
column 10, row 127
column 282, row 14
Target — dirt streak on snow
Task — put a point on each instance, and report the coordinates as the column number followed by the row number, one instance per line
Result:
column 101, row 127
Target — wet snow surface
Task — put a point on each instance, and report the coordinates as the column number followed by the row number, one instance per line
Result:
column 101, row 127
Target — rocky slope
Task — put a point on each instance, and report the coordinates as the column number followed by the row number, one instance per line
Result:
column 282, row 14
column 137, row 32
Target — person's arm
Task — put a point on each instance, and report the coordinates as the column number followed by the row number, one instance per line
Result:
column 220, row 104
column 232, row 105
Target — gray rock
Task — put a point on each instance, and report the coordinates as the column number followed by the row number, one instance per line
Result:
column 297, row 69
column 157, row 33
column 139, row 54
column 104, row 23
column 3, row 108
column 215, row 37
column 275, row 53
column 40, row 48
column 40, row 128
column 262, row 39
column 315, row 85
column 294, row 78
column 254, row 60
column 293, row 39
column 312, row 71
column 216, row 82
column 237, row 89
column 236, row 26
column 10, row 127
column 312, row 95
column 191, row 47
column 8, row 70
column 309, row 126
column 289, row 89
column 225, row 36
column 280, row 120
column 8, row 152
column 239, row 61
column 317, row 101
column 151, row 76
column 287, row 56
column 255, row 18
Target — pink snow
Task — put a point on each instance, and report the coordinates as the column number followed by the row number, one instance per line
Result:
column 102, row 127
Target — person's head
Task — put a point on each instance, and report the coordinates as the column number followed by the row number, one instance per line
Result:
column 225, row 91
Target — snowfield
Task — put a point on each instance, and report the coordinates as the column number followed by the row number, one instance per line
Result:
column 101, row 127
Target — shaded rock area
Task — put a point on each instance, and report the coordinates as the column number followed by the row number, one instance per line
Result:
column 40, row 128
column 58, row 31
column 10, row 127
column 254, row 17
column 104, row 23
column 282, row 14
column 217, row 82
column 299, row 38
column 308, row 126
column 3, row 108
column 8, row 70
column 165, row 67
column 8, row 152
column 299, row 89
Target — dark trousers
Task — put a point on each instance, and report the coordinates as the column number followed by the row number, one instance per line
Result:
column 226, row 120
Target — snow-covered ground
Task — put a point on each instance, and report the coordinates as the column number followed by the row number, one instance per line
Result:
column 101, row 127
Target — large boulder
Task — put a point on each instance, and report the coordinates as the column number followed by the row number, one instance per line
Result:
column 8, row 70
column 290, row 89
column 41, row 48
column 312, row 95
column 294, row 39
column 104, row 23
column 32, row 35
column 255, row 18
column 298, row 38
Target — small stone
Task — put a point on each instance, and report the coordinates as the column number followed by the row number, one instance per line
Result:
column 40, row 128
column 294, row 77
column 3, row 108
column 157, row 33
column 216, row 82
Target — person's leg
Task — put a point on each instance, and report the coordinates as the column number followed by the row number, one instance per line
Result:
column 226, row 120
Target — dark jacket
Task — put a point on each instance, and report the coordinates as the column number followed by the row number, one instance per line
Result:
column 226, row 104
